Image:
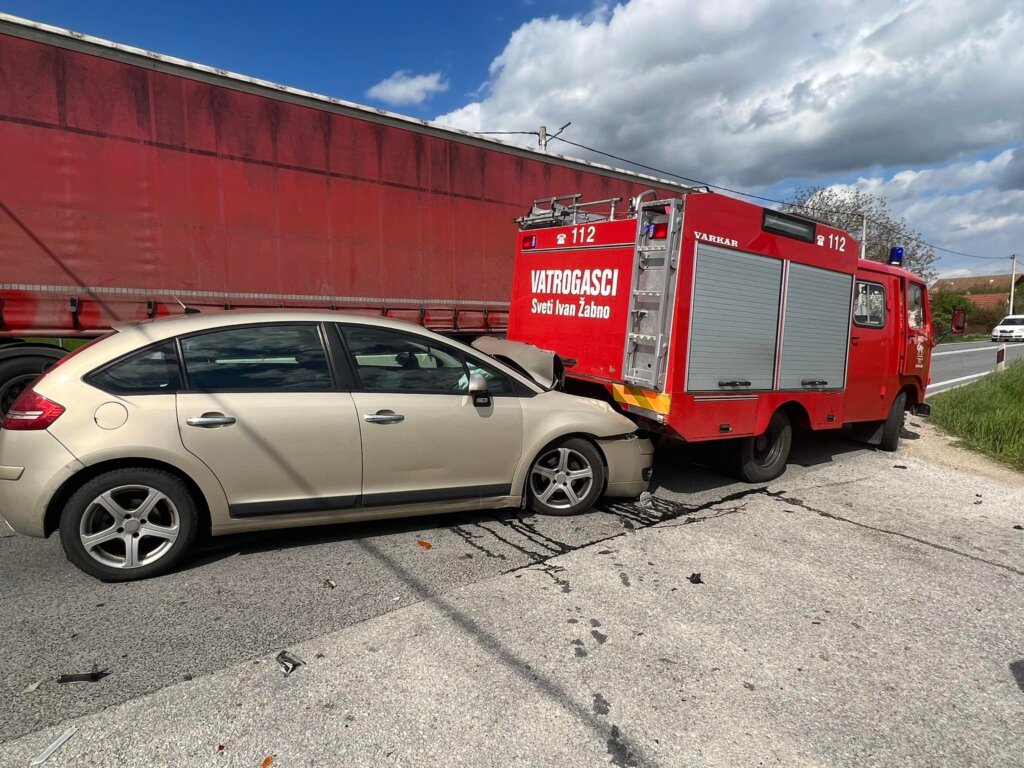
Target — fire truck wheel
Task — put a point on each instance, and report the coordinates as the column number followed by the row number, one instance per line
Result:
column 893, row 425
column 764, row 458
column 566, row 478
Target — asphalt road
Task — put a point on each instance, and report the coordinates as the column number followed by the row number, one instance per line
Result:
column 454, row 654
column 961, row 363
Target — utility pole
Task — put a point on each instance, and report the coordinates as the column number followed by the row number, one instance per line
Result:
column 1013, row 277
column 543, row 138
column 863, row 236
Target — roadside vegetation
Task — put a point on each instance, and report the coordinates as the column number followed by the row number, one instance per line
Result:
column 987, row 415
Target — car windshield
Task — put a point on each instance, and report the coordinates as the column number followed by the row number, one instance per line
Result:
column 1012, row 321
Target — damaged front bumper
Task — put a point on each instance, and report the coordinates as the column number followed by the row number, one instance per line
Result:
column 630, row 459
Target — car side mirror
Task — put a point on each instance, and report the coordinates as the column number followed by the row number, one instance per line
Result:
column 959, row 322
column 478, row 390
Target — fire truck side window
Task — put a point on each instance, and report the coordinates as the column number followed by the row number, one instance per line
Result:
column 915, row 306
column 869, row 305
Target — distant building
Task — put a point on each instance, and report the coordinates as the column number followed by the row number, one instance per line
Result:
column 986, row 291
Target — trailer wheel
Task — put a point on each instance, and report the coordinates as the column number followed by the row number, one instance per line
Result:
column 893, row 425
column 764, row 457
column 16, row 374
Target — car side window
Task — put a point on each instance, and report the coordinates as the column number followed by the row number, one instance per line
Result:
column 390, row 361
column 497, row 383
column 154, row 370
column 257, row 358
column 869, row 305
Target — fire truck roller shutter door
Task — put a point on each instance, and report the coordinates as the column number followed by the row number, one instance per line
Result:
column 735, row 321
column 816, row 332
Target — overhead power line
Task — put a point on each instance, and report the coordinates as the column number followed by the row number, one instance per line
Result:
column 697, row 182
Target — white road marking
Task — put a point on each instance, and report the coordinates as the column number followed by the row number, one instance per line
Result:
column 961, row 378
column 964, row 351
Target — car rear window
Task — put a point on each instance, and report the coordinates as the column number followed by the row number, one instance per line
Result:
column 154, row 370
column 257, row 358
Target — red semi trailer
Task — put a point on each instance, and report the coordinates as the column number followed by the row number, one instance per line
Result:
column 708, row 318
column 130, row 182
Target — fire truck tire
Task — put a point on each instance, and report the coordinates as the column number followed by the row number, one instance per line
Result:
column 16, row 374
column 764, row 457
column 566, row 478
column 893, row 425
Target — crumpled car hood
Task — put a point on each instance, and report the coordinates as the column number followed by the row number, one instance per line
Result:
column 544, row 366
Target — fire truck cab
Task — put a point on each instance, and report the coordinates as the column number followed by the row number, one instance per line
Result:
column 708, row 318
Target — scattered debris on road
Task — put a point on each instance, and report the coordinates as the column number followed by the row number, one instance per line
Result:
column 424, row 544
column 696, row 579
column 1018, row 527
column 31, row 688
column 749, row 686
column 330, row 583
column 43, row 756
column 899, row 466
column 88, row 677
column 647, row 502
column 267, row 761
column 289, row 662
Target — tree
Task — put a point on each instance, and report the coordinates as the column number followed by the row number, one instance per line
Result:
column 845, row 208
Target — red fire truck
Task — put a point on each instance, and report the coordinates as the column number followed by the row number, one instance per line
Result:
column 708, row 318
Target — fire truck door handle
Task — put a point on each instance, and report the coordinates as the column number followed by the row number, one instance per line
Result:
column 734, row 383
column 814, row 383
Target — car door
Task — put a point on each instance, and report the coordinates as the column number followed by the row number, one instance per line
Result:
column 424, row 439
column 263, row 410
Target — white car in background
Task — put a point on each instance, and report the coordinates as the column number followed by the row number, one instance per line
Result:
column 1010, row 328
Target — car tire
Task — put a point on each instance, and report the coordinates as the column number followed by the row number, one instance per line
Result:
column 763, row 458
column 893, row 425
column 129, row 524
column 16, row 374
column 566, row 478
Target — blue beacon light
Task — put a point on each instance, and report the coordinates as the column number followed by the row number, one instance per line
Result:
column 896, row 257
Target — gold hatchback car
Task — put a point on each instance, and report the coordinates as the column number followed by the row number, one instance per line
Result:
column 139, row 441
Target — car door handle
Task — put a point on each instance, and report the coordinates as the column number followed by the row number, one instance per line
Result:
column 383, row 417
column 208, row 420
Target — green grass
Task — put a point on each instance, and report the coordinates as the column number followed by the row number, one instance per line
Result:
column 988, row 415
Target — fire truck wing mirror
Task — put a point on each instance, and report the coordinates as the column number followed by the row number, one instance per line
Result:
column 959, row 321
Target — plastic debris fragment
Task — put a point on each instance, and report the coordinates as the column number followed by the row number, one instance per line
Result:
column 289, row 662
column 424, row 544
column 330, row 583
column 31, row 688
column 43, row 756
column 696, row 579
column 88, row 677
column 267, row 761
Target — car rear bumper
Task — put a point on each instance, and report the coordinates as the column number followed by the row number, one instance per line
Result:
column 33, row 465
column 629, row 465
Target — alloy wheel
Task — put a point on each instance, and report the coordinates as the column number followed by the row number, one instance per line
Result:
column 129, row 526
column 561, row 478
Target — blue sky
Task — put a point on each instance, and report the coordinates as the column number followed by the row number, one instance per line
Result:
column 917, row 100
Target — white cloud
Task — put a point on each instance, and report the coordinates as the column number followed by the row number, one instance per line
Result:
column 754, row 91
column 750, row 93
column 403, row 87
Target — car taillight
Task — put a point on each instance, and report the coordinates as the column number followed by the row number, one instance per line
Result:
column 32, row 411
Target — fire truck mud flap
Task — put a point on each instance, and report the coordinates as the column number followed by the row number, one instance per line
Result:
column 629, row 461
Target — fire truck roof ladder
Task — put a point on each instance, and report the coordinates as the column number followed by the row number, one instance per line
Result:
column 558, row 214
column 655, row 267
